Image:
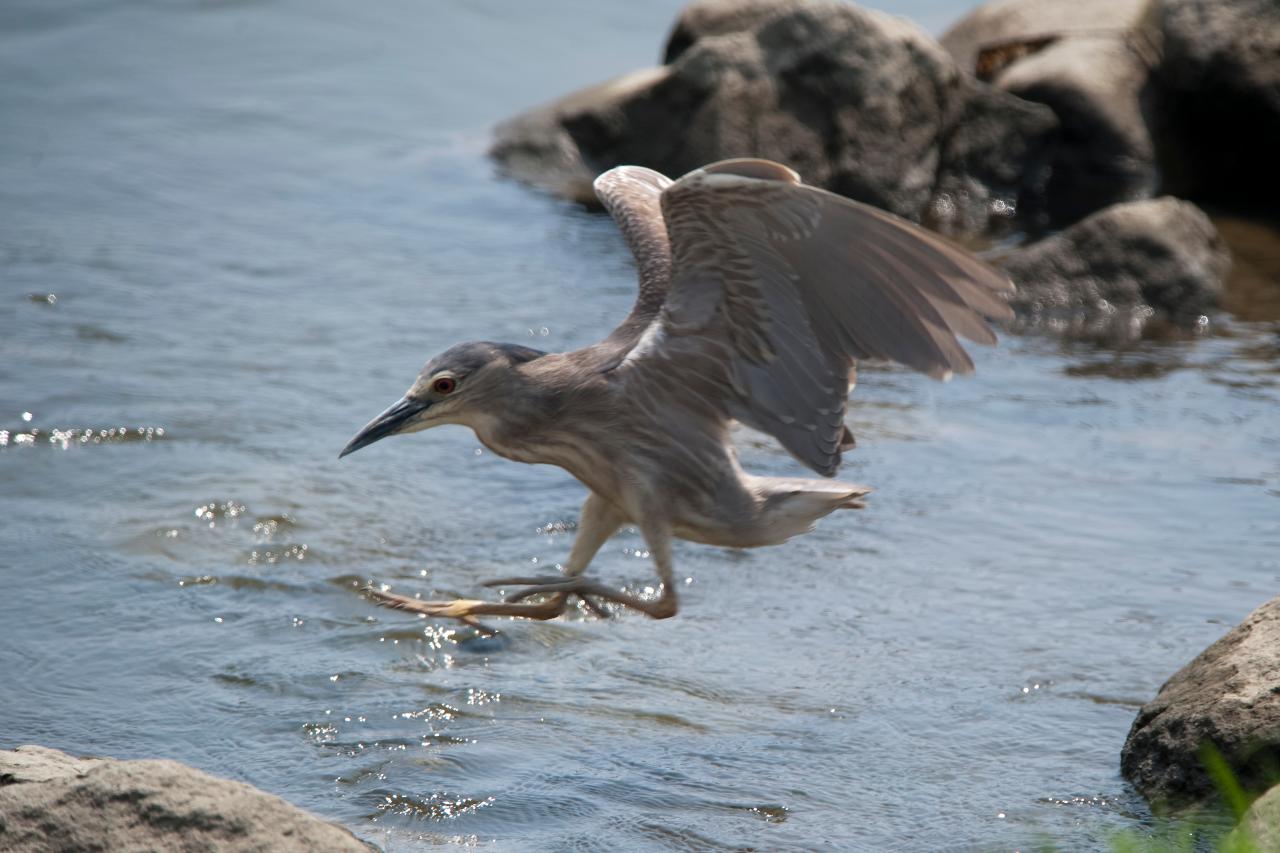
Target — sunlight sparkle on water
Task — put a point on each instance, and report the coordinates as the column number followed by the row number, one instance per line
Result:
column 66, row 438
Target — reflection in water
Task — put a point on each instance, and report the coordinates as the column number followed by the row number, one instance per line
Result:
column 1253, row 290
column 252, row 251
column 437, row 806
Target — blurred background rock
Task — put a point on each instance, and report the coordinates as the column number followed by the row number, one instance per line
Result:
column 1025, row 117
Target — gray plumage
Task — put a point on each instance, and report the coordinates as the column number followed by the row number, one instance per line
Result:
column 757, row 296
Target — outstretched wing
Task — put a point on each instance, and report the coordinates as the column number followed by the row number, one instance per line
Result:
column 777, row 289
column 632, row 195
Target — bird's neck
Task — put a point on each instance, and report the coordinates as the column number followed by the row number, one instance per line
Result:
column 544, row 443
column 546, row 418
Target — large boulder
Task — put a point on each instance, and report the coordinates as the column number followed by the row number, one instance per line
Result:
column 537, row 148
column 1154, row 96
column 858, row 102
column 1108, row 274
column 1217, row 100
column 51, row 801
column 1089, row 61
column 1227, row 699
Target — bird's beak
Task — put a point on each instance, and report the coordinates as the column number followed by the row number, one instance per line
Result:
column 390, row 422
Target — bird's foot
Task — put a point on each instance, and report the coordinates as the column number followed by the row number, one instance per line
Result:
column 462, row 609
column 661, row 607
column 557, row 586
column 466, row 610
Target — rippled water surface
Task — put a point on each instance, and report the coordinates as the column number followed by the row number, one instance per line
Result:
column 231, row 232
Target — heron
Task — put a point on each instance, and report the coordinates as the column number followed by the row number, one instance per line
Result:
column 758, row 296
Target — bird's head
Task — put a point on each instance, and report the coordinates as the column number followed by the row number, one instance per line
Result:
column 454, row 387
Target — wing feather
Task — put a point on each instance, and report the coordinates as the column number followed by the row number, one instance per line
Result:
column 632, row 195
column 776, row 289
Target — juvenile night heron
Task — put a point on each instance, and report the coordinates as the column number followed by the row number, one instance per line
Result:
column 758, row 295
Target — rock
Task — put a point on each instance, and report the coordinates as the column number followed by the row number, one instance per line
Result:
column 1154, row 96
column 1108, row 274
column 705, row 18
column 996, row 143
column 996, row 33
column 1088, row 61
column 51, row 801
column 536, row 147
column 1259, row 829
column 1217, row 100
column 1229, row 698
column 858, row 102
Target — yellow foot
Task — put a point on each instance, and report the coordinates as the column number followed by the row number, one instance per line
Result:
column 460, row 608
column 466, row 609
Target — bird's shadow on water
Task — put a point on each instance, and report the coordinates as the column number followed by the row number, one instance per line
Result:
column 475, row 642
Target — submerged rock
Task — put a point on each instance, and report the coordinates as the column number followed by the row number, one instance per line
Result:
column 858, row 102
column 51, row 801
column 1228, row 698
column 1109, row 273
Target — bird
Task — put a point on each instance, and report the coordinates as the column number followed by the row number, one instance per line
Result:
column 758, row 296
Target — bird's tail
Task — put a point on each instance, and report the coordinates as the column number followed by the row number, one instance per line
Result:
column 853, row 499
column 792, row 506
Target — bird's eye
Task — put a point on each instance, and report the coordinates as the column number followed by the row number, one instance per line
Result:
column 444, row 385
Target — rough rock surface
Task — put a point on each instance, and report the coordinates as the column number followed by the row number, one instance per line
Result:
column 1218, row 99
column 706, row 18
column 859, row 102
column 51, row 801
column 1120, row 266
column 536, row 147
column 1090, row 62
column 1228, row 697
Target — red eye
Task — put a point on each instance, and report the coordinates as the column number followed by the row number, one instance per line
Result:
column 444, row 385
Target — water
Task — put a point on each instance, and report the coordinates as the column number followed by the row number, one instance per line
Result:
column 256, row 221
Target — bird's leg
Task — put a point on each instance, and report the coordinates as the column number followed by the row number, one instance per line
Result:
column 658, row 538
column 599, row 521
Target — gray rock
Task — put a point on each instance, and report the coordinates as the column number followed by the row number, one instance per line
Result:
column 1217, row 99
column 51, row 801
column 1108, row 274
column 707, row 18
column 1229, row 698
column 1088, row 61
column 536, row 147
column 1259, row 829
column 995, row 144
column 858, row 102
